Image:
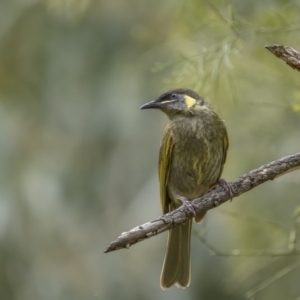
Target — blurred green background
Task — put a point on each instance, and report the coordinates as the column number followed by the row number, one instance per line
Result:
column 79, row 160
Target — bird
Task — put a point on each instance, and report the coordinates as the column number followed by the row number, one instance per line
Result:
column 191, row 159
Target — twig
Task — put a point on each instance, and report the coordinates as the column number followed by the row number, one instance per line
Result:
column 237, row 252
column 295, row 232
column 273, row 278
column 291, row 247
column 251, row 218
column 288, row 54
column 210, row 200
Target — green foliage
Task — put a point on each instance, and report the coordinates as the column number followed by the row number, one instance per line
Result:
column 78, row 158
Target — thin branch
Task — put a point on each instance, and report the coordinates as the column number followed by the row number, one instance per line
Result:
column 273, row 278
column 287, row 54
column 237, row 252
column 291, row 247
column 295, row 232
column 251, row 218
column 272, row 29
column 209, row 201
column 230, row 23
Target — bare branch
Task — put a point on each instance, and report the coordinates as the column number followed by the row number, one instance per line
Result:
column 210, row 200
column 290, row 250
column 273, row 278
column 237, row 252
column 288, row 54
column 252, row 218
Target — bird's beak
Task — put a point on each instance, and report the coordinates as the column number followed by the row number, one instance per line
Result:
column 151, row 104
column 156, row 104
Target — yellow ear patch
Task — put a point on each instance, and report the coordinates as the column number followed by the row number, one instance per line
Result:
column 189, row 101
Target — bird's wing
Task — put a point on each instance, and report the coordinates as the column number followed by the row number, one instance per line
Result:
column 165, row 155
column 225, row 148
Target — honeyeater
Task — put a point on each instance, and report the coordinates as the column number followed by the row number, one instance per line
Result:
column 191, row 159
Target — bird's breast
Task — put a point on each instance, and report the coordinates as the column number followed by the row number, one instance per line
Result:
column 196, row 159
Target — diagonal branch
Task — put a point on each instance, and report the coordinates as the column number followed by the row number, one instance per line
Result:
column 210, row 200
column 288, row 54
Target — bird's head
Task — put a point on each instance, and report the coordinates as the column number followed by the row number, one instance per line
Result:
column 178, row 101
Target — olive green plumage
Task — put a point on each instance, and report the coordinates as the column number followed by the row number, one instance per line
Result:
column 192, row 156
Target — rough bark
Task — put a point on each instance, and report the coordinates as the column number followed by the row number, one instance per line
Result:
column 287, row 54
column 210, row 200
column 217, row 196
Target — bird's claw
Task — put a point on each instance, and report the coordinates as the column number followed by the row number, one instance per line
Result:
column 188, row 204
column 227, row 187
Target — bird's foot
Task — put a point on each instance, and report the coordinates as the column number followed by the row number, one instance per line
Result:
column 188, row 204
column 227, row 187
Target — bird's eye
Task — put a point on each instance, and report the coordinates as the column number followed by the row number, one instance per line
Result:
column 173, row 96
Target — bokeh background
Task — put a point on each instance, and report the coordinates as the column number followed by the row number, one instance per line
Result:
column 79, row 160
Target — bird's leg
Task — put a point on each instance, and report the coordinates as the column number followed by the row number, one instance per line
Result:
column 188, row 204
column 227, row 187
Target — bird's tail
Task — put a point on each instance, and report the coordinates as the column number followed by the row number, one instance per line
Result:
column 177, row 264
